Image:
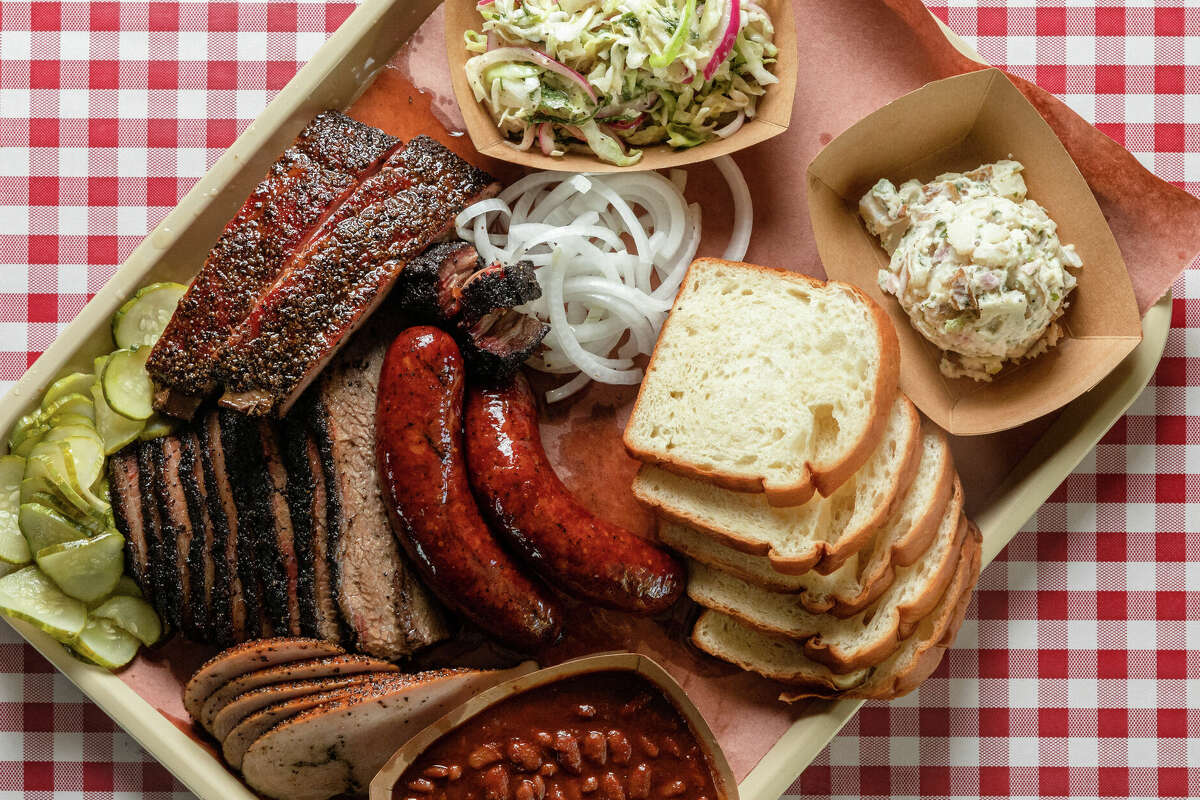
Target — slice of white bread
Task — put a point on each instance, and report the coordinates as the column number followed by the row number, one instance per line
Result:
column 899, row 542
column 856, row 584
column 824, row 532
column 767, row 381
column 782, row 659
column 859, row 641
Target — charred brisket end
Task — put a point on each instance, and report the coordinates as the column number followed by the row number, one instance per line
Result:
column 345, row 273
column 160, row 539
column 243, row 467
column 497, row 345
column 499, row 286
column 300, row 190
column 200, row 566
column 125, row 495
column 282, row 576
column 429, row 286
column 229, row 602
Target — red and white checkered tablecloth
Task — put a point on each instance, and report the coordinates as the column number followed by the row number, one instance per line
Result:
column 1077, row 672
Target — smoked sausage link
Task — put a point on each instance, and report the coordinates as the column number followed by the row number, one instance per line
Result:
column 570, row 547
column 421, row 466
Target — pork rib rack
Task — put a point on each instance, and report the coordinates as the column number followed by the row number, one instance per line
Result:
column 333, row 283
column 300, row 192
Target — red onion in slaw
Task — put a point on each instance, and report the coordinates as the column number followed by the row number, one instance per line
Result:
column 733, row 24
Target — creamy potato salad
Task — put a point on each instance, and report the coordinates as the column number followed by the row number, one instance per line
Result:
column 977, row 266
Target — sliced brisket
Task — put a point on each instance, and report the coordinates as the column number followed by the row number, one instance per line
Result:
column 389, row 613
column 182, row 530
column 307, row 502
column 278, row 552
column 161, row 546
column 125, row 494
column 301, row 189
column 341, row 276
column 242, row 450
column 229, row 601
column 215, row 537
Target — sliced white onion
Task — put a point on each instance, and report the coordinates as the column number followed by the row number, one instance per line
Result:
column 610, row 252
column 728, row 130
column 743, row 208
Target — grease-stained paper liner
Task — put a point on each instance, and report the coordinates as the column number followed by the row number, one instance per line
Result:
column 855, row 57
column 957, row 124
column 772, row 115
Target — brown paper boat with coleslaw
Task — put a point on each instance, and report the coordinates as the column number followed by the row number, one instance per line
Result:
column 531, row 96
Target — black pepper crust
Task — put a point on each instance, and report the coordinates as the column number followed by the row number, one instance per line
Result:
column 389, row 219
column 301, row 188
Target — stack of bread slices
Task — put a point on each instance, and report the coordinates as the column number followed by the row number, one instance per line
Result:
column 823, row 521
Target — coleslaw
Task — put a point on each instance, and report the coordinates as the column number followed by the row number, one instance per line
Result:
column 609, row 76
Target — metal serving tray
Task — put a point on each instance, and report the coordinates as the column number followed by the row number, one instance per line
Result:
column 335, row 76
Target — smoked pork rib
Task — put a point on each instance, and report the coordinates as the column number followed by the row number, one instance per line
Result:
column 339, row 278
column 321, row 168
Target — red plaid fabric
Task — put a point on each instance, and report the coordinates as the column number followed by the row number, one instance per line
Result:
column 1071, row 674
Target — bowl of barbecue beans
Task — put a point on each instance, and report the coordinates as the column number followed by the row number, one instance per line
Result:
column 608, row 727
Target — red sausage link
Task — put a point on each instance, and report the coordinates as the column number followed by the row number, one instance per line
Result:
column 526, row 502
column 428, row 497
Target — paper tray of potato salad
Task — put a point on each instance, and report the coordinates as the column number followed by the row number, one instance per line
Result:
column 373, row 423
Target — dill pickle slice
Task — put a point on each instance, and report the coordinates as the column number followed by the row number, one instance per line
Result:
column 29, row 595
column 75, row 383
column 115, row 430
column 144, row 317
column 44, row 527
column 104, row 644
column 133, row 615
column 127, row 386
column 12, row 551
column 86, row 570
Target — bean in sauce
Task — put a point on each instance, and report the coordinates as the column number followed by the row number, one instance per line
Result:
column 602, row 736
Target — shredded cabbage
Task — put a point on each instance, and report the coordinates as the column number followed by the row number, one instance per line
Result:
column 609, row 76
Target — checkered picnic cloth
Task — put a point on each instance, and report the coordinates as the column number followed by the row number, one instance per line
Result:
column 1074, row 673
